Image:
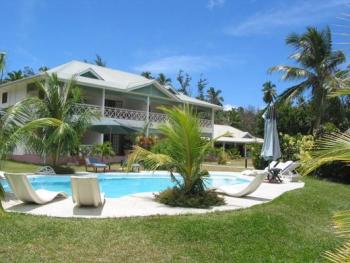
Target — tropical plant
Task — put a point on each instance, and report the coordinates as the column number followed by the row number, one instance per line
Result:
column 104, row 150
column 163, row 80
column 147, row 75
column 97, row 61
column 214, row 96
column 318, row 65
column 185, row 152
column 2, row 64
column 184, row 80
column 14, row 75
column 47, row 124
column 334, row 147
column 269, row 90
column 342, row 225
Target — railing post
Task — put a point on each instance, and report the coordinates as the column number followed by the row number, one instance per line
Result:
column 103, row 102
column 212, row 122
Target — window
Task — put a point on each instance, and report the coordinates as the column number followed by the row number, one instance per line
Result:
column 4, row 97
column 113, row 103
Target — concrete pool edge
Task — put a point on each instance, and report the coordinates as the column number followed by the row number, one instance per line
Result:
column 143, row 204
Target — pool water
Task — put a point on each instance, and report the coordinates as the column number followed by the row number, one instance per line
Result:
column 117, row 185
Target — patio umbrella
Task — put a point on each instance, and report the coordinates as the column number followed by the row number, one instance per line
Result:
column 271, row 150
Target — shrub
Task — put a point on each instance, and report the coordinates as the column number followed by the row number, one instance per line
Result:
column 258, row 162
column 234, row 153
column 175, row 197
column 223, row 157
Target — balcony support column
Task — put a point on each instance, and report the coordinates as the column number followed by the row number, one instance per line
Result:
column 147, row 116
column 103, row 102
column 212, row 122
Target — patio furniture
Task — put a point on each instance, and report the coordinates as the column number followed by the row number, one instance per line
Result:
column 86, row 191
column 247, row 189
column 290, row 172
column 135, row 167
column 46, row 170
column 95, row 165
column 277, row 172
column 24, row 191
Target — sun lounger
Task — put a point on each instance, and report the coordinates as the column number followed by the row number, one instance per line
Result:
column 247, row 188
column 86, row 191
column 290, row 172
column 282, row 169
column 93, row 163
column 24, row 191
column 251, row 172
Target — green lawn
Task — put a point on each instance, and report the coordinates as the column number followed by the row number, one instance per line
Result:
column 296, row 227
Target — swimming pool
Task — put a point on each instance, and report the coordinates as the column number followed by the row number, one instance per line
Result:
column 121, row 184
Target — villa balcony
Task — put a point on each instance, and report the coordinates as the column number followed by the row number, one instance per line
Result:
column 136, row 118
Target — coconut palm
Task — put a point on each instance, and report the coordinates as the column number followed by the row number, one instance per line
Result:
column 317, row 66
column 163, row 80
column 14, row 75
column 213, row 96
column 147, row 75
column 47, row 124
column 184, row 81
column 269, row 90
column 201, row 85
column 185, row 151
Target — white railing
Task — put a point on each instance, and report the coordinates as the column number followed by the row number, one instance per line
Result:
column 126, row 114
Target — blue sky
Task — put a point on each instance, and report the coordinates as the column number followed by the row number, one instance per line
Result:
column 231, row 42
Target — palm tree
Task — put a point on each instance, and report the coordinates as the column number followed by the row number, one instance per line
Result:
column 342, row 224
column 185, row 151
column 48, row 124
column 147, row 75
column 184, row 80
column 99, row 61
column 104, row 149
column 14, row 75
column 201, row 85
column 317, row 66
column 163, row 80
column 213, row 96
column 2, row 64
column 269, row 90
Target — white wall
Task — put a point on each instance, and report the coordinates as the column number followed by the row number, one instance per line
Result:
column 91, row 137
column 15, row 94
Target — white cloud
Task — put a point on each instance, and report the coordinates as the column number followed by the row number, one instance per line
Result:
column 173, row 64
column 300, row 13
column 215, row 3
column 228, row 107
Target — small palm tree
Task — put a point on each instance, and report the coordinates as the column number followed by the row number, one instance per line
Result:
column 318, row 65
column 47, row 124
column 104, row 149
column 213, row 96
column 163, row 80
column 269, row 90
column 185, row 151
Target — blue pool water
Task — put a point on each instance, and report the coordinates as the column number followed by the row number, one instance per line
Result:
column 117, row 185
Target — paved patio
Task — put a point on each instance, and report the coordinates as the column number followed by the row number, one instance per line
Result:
column 143, row 204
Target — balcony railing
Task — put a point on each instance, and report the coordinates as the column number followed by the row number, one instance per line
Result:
column 126, row 114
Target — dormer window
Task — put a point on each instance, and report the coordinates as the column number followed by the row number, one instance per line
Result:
column 91, row 74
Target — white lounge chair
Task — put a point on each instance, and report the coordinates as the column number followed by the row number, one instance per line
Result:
column 289, row 171
column 86, row 191
column 24, row 191
column 247, row 188
column 251, row 172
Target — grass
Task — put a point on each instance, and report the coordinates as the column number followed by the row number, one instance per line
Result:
column 297, row 227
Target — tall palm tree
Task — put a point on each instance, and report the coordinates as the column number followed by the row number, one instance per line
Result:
column 184, row 80
column 269, row 90
column 317, row 66
column 213, row 96
column 201, row 85
column 147, row 75
column 2, row 65
column 163, row 80
column 48, row 124
column 99, row 61
column 185, row 151
column 14, row 75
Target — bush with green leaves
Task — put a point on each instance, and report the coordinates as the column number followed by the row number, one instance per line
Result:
column 233, row 153
column 223, row 157
column 258, row 161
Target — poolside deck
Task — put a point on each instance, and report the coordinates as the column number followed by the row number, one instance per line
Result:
column 143, row 204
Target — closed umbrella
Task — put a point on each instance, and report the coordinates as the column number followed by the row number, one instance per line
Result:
column 271, row 150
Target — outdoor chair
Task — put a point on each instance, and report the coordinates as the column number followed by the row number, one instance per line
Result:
column 95, row 165
column 24, row 191
column 246, row 189
column 86, row 191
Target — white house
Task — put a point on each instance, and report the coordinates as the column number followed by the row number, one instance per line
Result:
column 126, row 101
